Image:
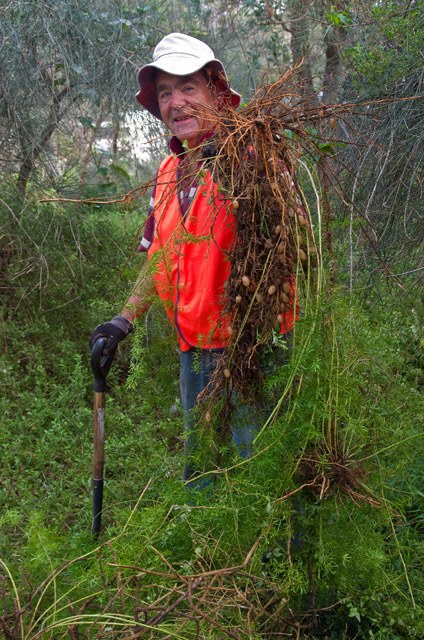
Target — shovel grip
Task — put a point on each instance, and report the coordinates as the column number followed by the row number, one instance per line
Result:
column 100, row 364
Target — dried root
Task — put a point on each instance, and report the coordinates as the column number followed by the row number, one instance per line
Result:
column 256, row 165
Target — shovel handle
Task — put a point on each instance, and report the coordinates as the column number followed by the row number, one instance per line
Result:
column 100, row 364
column 98, row 459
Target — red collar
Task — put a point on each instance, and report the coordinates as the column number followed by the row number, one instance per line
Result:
column 176, row 146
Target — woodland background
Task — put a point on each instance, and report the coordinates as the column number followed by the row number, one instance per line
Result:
column 227, row 565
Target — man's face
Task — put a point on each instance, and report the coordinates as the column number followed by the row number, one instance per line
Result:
column 187, row 105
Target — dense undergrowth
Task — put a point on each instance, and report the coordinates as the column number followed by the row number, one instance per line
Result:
column 319, row 535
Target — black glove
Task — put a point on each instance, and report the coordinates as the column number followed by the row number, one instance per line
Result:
column 115, row 331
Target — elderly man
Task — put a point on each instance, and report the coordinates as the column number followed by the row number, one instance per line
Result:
column 190, row 227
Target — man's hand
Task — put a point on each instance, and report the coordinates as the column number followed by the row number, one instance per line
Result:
column 115, row 331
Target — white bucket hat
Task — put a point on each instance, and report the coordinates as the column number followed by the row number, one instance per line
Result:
column 181, row 55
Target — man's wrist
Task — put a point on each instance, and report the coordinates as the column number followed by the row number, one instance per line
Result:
column 133, row 308
column 123, row 323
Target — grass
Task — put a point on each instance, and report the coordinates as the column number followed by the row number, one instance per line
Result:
column 320, row 534
column 353, row 405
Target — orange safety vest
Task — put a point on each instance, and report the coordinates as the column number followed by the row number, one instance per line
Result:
column 189, row 259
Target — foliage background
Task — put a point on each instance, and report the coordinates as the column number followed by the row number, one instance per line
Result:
column 70, row 128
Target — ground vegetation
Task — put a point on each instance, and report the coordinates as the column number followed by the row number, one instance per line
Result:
column 320, row 534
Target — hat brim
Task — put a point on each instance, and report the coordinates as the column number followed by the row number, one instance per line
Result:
column 179, row 65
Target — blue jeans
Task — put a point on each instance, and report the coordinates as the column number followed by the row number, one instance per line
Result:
column 196, row 368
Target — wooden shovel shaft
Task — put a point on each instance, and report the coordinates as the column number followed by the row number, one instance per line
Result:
column 98, row 458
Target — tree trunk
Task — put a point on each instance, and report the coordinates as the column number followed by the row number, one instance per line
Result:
column 32, row 151
column 334, row 40
column 300, row 28
column 87, row 153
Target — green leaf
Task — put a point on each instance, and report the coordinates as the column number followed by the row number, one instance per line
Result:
column 354, row 613
column 120, row 171
column 338, row 19
column 327, row 148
